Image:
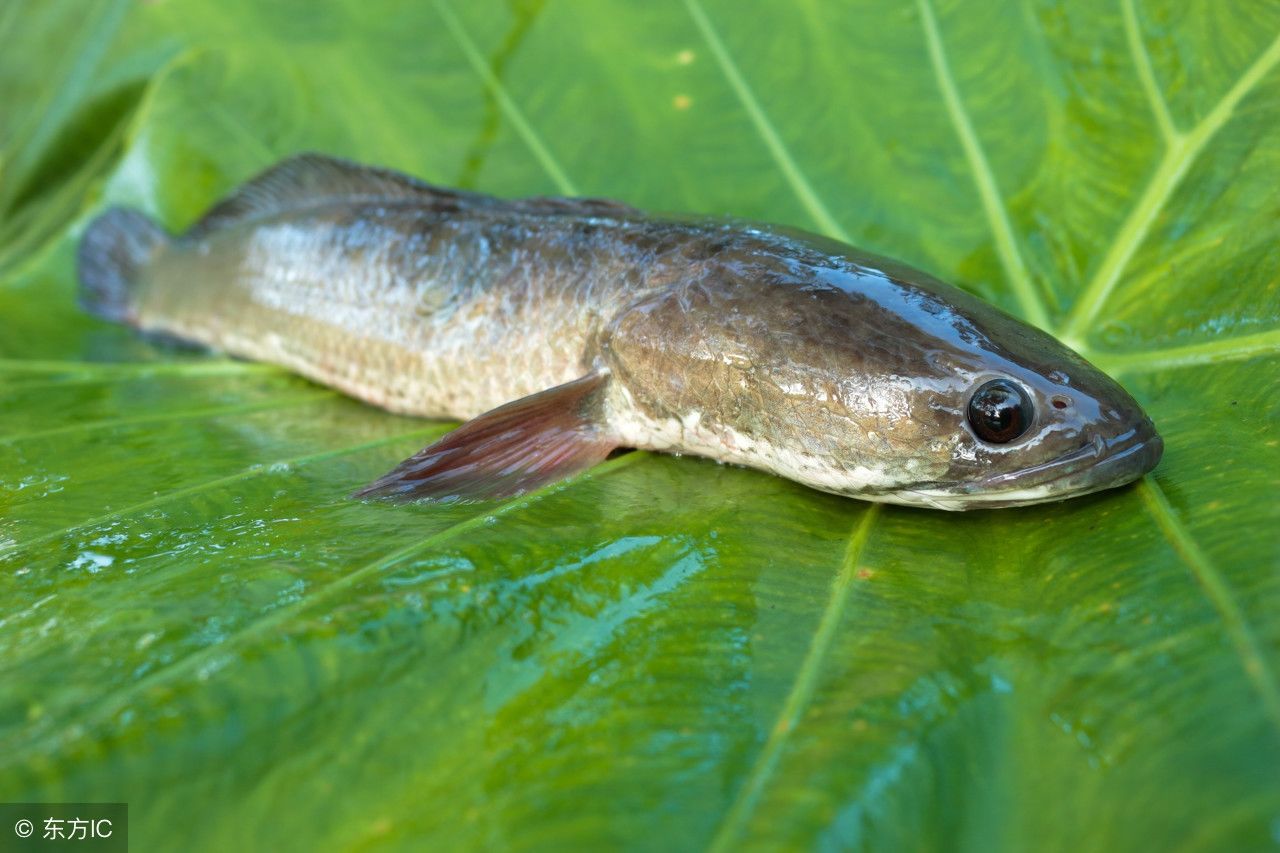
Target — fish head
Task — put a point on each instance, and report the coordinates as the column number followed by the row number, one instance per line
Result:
column 1029, row 423
column 1003, row 413
column 859, row 376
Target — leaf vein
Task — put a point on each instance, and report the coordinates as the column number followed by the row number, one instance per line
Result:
column 188, row 414
column 801, row 692
column 1220, row 597
column 505, row 102
column 993, row 206
column 208, row 485
column 1178, row 156
column 104, row 708
column 1142, row 62
column 795, row 178
column 103, row 21
column 1236, row 348
column 86, row 371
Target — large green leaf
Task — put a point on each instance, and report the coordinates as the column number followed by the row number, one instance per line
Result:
column 663, row 652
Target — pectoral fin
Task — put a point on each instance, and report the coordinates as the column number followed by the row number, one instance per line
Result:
column 512, row 449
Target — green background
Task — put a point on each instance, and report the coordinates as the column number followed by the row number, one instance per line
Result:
column 663, row 653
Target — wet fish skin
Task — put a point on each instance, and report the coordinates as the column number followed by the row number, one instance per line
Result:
column 782, row 351
column 852, row 374
column 418, row 311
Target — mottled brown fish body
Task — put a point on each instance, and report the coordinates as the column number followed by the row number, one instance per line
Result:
column 788, row 353
column 421, row 312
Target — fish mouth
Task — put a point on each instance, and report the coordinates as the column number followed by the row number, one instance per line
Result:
column 1100, row 464
column 1120, row 466
column 1108, row 462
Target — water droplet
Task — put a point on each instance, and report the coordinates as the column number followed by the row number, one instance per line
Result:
column 91, row 561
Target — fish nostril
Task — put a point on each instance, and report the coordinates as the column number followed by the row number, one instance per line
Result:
column 1059, row 401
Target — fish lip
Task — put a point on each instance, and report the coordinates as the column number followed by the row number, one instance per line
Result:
column 1121, row 460
column 1063, row 466
column 1100, row 464
column 1124, row 465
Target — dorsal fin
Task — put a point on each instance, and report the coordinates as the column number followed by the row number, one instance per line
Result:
column 554, row 204
column 307, row 180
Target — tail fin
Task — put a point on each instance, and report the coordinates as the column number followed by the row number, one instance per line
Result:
column 113, row 252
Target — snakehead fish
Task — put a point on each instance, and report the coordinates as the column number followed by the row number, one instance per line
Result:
column 560, row 329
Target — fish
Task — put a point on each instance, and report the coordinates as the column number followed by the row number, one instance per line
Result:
column 560, row 330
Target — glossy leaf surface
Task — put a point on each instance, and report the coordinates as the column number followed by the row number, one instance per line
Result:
column 662, row 653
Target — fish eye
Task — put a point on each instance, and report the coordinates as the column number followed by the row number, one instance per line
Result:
column 1000, row 411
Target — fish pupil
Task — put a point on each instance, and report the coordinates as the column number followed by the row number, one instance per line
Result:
column 999, row 411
